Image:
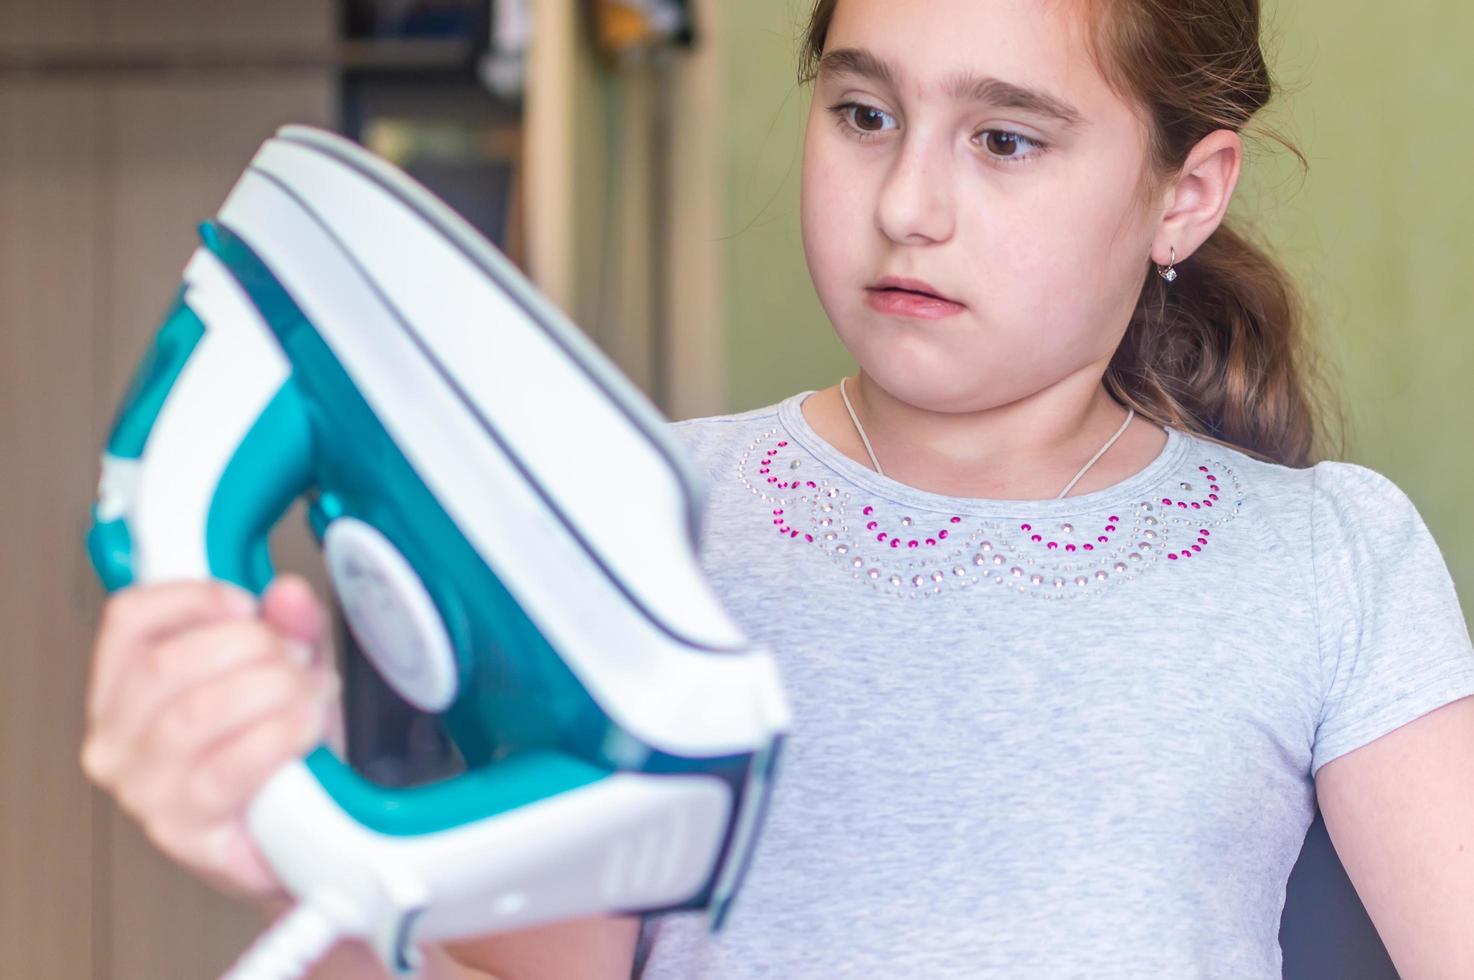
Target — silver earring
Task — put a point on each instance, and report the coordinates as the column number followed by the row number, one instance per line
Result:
column 1169, row 273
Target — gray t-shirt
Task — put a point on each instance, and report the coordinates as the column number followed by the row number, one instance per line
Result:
column 1054, row 738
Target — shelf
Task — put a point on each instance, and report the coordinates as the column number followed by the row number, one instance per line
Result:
column 411, row 55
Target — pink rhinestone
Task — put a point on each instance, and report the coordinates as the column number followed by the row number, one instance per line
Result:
column 1172, row 556
column 880, row 536
column 1113, row 521
column 784, row 443
column 1053, row 545
column 1212, row 496
column 1037, row 538
column 772, row 452
column 1187, row 554
column 1090, row 547
column 1167, row 501
column 778, row 511
column 1202, row 540
column 956, row 520
column 1204, row 532
column 895, row 542
column 1182, row 504
column 811, row 484
column 809, row 538
column 1196, row 505
column 1026, row 527
column 941, row 534
column 1211, row 478
column 1111, row 527
column 1203, row 469
column 777, row 520
column 772, row 479
column 1207, row 503
column 1215, row 487
column 1069, row 547
column 1197, row 547
column 868, row 511
column 912, row 544
column 872, row 525
column 930, row 542
column 793, row 534
column 1102, row 539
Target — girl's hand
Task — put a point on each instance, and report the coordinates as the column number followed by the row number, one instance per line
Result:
column 198, row 694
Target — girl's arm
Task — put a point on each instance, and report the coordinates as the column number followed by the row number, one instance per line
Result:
column 596, row 948
column 1400, row 811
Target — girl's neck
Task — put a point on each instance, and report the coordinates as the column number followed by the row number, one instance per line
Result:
column 1027, row 450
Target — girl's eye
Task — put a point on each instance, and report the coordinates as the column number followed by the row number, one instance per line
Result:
column 1010, row 147
column 865, row 117
column 865, row 122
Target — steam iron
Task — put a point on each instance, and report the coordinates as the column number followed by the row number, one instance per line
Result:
column 341, row 334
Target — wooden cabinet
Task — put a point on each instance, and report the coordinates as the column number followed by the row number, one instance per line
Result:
column 103, row 176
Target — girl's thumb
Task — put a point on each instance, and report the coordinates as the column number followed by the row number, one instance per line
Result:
column 292, row 608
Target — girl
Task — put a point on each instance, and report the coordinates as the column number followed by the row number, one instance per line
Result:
column 1076, row 629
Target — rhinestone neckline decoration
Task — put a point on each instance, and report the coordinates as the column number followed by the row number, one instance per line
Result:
column 919, row 555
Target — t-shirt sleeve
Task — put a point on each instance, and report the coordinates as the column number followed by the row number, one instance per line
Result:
column 1393, row 641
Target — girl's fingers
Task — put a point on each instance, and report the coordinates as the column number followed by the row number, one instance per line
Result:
column 135, row 618
column 233, row 770
column 293, row 609
column 176, row 746
column 161, row 674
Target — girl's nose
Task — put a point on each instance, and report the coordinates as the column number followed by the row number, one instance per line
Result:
column 915, row 206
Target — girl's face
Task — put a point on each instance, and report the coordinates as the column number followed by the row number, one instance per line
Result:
column 972, row 145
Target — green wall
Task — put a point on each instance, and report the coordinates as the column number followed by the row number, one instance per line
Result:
column 1376, row 99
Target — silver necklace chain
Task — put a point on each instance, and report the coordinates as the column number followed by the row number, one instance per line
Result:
column 1130, row 414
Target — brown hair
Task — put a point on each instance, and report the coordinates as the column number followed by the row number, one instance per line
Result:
column 1222, row 352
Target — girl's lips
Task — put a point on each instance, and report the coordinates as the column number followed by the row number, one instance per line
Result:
column 899, row 302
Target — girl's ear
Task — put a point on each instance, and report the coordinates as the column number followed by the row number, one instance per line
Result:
column 1198, row 199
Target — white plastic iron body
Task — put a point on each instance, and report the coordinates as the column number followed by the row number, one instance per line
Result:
column 342, row 334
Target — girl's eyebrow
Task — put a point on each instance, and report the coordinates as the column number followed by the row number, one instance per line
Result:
column 962, row 86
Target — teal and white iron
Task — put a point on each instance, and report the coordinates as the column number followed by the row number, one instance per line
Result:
column 342, row 334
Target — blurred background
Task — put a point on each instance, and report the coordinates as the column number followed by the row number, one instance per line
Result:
column 639, row 160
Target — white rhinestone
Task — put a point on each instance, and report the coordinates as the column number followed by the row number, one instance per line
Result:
column 1067, row 528
column 1016, row 571
column 874, row 573
column 979, row 560
column 1120, row 566
column 827, row 508
column 998, row 559
column 1036, row 579
column 1059, row 583
column 1134, row 556
column 826, row 522
column 854, row 562
column 1145, row 546
column 986, row 546
column 1151, row 520
column 1149, row 535
column 895, row 580
column 1185, row 486
column 906, row 521
column 793, row 465
column 998, row 579
column 830, row 536
column 1081, row 580
column 1101, row 576
column 937, row 576
column 959, row 571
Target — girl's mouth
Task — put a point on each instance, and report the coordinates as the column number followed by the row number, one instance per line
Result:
column 910, row 303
